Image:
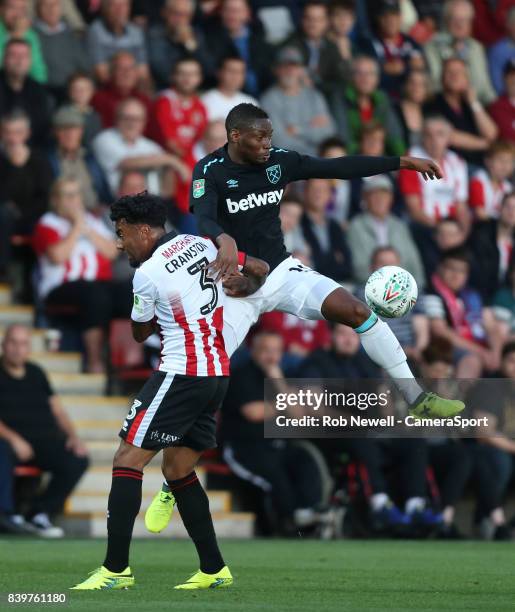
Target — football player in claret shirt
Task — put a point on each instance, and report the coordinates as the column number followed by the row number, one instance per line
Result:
column 200, row 326
column 236, row 192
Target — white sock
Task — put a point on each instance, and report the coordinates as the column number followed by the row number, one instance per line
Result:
column 384, row 349
column 378, row 501
column 414, row 504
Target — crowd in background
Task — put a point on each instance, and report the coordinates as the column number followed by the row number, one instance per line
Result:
column 102, row 98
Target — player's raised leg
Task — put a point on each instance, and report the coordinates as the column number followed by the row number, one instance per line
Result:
column 193, row 504
column 384, row 349
column 123, row 507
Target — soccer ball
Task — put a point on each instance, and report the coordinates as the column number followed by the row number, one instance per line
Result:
column 391, row 291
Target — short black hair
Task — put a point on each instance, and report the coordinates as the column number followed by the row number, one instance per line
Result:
column 17, row 41
column 329, row 143
column 460, row 253
column 140, row 208
column 242, row 116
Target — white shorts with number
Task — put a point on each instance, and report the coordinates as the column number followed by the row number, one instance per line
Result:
column 291, row 287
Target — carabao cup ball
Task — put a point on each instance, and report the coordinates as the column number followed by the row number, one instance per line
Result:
column 391, row 291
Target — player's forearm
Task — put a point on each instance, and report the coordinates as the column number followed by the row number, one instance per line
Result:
column 208, row 224
column 256, row 269
column 352, row 166
column 141, row 331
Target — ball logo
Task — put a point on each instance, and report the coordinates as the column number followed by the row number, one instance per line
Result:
column 392, row 291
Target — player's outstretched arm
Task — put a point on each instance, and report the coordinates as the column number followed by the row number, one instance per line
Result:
column 360, row 166
column 427, row 167
column 254, row 275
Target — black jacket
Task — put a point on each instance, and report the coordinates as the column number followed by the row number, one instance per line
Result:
column 486, row 259
column 336, row 263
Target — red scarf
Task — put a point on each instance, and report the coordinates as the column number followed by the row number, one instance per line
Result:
column 455, row 308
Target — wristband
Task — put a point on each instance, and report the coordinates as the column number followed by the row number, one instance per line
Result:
column 242, row 258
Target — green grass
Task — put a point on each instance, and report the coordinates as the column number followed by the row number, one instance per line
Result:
column 275, row 575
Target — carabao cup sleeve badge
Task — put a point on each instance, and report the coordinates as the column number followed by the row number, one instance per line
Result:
column 199, row 188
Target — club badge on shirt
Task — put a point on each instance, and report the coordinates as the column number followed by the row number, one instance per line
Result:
column 274, row 173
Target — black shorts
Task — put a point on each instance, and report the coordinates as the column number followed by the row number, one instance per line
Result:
column 175, row 410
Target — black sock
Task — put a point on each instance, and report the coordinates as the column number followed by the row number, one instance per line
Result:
column 122, row 509
column 193, row 504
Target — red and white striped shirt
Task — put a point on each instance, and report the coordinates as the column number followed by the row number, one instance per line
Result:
column 174, row 286
column 484, row 194
column 439, row 198
column 84, row 263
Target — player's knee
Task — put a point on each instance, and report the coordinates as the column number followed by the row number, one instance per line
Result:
column 342, row 307
column 129, row 456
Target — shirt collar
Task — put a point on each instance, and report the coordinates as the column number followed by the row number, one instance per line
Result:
column 163, row 240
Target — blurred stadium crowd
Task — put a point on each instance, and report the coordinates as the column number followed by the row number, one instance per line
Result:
column 102, row 98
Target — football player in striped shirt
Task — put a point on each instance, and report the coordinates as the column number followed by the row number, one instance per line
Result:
column 175, row 410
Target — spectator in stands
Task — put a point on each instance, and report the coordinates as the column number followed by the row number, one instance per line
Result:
column 148, row 13
column 503, row 302
column 428, row 202
column 300, row 336
column 450, row 458
column 298, row 111
column 395, row 52
column 341, row 360
column 321, row 56
column 410, row 108
column 501, row 53
column 360, row 102
column 412, row 330
column 124, row 147
column 38, row 429
column 176, row 38
column 81, row 89
column 503, row 109
column 62, row 50
column 180, row 119
column 122, row 85
column 490, row 20
column 290, row 214
column 342, row 18
column 284, row 471
column 25, row 177
column 489, row 185
column 493, row 454
column 457, row 41
column 429, row 12
column 457, row 315
column 340, row 207
column 113, row 32
column 20, row 91
column 377, row 227
column 473, row 129
column 227, row 93
column 372, row 141
column 447, row 234
column 329, row 250
column 68, row 158
column 214, row 137
column 235, row 35
column 15, row 24
column 75, row 250
column 493, row 244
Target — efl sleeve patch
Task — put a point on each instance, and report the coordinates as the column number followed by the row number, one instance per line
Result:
column 199, row 188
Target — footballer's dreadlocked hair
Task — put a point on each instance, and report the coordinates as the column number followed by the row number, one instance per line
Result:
column 140, row 208
column 242, row 116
